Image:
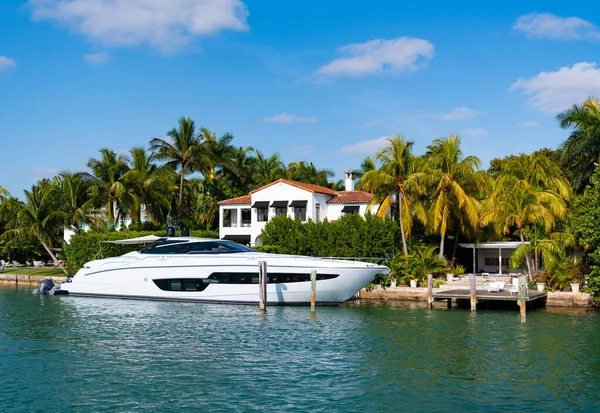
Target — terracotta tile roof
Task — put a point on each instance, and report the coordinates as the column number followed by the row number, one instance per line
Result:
column 240, row 200
column 308, row 187
column 351, row 197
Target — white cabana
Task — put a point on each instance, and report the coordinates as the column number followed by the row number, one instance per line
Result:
column 485, row 260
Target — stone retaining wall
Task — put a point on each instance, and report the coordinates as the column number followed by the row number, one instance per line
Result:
column 28, row 279
column 555, row 299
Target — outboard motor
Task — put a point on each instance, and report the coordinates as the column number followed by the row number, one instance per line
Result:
column 45, row 287
column 185, row 232
column 170, row 231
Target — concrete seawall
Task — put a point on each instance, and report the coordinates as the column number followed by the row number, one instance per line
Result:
column 555, row 299
column 28, row 279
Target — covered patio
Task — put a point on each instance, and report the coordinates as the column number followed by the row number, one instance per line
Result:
column 492, row 257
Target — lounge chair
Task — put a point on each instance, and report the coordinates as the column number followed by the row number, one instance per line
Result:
column 38, row 264
column 495, row 286
column 17, row 264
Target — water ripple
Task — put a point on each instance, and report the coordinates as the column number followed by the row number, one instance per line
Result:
column 72, row 354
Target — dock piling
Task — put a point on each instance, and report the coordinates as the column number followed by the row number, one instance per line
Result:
column 430, row 291
column 262, row 289
column 473, row 288
column 313, row 290
column 523, row 297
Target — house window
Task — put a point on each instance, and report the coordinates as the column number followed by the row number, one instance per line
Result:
column 299, row 209
column 350, row 209
column 227, row 217
column 280, row 207
column 246, row 217
column 262, row 214
column 300, row 212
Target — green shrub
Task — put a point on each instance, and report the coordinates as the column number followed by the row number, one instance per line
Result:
column 350, row 236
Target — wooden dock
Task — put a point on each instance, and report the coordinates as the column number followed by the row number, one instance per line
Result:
column 483, row 295
column 523, row 299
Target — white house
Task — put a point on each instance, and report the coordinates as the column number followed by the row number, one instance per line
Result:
column 242, row 219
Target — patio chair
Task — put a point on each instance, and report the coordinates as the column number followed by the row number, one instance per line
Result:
column 17, row 264
column 5, row 264
column 38, row 264
column 495, row 286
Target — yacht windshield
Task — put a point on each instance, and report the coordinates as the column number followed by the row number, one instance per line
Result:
column 172, row 246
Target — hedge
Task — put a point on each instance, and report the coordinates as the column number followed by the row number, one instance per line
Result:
column 86, row 246
column 350, row 236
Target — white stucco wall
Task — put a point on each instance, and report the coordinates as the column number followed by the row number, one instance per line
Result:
column 282, row 191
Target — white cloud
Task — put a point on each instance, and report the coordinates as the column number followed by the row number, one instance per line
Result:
column 552, row 92
column 404, row 54
column 6, row 64
column 99, row 58
column 302, row 150
column 473, row 132
column 550, row 26
column 529, row 124
column 163, row 24
column 367, row 147
column 287, row 118
column 460, row 113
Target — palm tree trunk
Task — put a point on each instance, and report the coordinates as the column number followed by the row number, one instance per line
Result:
column 442, row 245
column 49, row 251
column 404, row 246
column 455, row 243
column 527, row 257
column 180, row 195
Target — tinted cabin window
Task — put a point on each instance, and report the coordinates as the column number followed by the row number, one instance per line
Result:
column 201, row 247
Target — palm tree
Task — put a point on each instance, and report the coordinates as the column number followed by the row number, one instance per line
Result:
column 529, row 192
column 368, row 164
column 396, row 182
column 150, row 184
column 182, row 152
column 307, row 172
column 72, row 191
column 214, row 153
column 267, row 169
column 4, row 194
column 427, row 261
column 581, row 150
column 40, row 217
column 238, row 174
column 538, row 247
column 457, row 186
column 109, row 189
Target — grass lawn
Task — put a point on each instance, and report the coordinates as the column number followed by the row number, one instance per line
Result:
column 42, row 272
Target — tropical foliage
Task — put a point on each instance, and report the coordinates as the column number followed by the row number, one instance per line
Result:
column 547, row 200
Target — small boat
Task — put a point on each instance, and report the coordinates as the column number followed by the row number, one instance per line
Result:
column 218, row 271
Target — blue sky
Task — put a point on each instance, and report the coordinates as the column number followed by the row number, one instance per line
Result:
column 321, row 81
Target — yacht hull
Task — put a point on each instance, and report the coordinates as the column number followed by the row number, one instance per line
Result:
column 136, row 277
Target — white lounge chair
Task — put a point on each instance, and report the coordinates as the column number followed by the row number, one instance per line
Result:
column 495, row 286
column 5, row 264
column 38, row 264
column 17, row 264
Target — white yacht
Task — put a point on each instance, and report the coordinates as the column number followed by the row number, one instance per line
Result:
column 219, row 271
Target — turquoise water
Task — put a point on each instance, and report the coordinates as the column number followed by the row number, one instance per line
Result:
column 70, row 354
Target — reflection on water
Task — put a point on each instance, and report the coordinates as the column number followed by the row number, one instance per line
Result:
column 88, row 354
